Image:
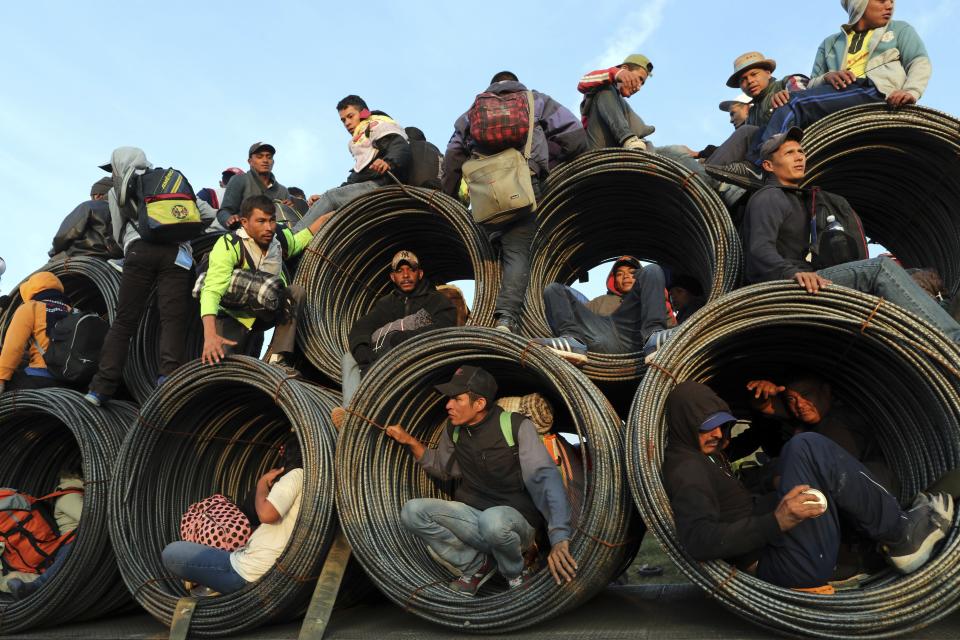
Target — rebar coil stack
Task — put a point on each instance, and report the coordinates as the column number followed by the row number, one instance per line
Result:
column 376, row 476
column 610, row 202
column 42, row 430
column 895, row 370
column 345, row 268
column 900, row 170
column 215, row 429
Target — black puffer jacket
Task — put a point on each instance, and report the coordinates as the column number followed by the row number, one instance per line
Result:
column 396, row 305
column 87, row 231
column 716, row 516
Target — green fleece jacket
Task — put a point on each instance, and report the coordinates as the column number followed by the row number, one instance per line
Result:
column 226, row 256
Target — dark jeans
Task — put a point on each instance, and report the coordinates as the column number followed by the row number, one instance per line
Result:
column 736, row 148
column 59, row 559
column 249, row 341
column 641, row 313
column 205, row 565
column 885, row 278
column 806, row 107
column 806, row 555
column 22, row 380
column 514, row 239
column 610, row 120
column 145, row 265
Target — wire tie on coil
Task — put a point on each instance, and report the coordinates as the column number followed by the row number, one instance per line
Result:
column 866, row 323
column 726, row 581
column 416, row 592
column 664, row 371
column 526, row 350
column 605, row 543
column 276, row 393
column 195, row 435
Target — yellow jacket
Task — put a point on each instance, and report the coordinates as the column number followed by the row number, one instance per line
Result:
column 29, row 320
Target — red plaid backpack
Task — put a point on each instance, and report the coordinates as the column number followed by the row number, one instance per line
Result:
column 215, row 522
column 28, row 530
column 500, row 121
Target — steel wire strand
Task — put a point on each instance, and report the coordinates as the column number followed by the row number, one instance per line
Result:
column 900, row 169
column 610, row 202
column 884, row 363
column 345, row 268
column 215, row 429
column 42, row 430
column 376, row 476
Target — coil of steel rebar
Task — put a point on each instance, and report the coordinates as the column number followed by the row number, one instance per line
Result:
column 215, row 429
column 42, row 431
column 345, row 269
column 883, row 363
column 900, row 169
column 376, row 476
column 90, row 283
column 610, row 202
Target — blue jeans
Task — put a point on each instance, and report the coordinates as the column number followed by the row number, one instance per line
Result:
column 333, row 199
column 59, row 559
column 610, row 120
column 885, row 278
column 806, row 107
column 350, row 377
column 514, row 239
column 462, row 535
column 202, row 564
column 641, row 314
column 806, row 555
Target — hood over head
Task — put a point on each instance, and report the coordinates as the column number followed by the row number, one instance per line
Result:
column 124, row 162
column 689, row 405
column 620, row 262
column 855, row 10
column 40, row 281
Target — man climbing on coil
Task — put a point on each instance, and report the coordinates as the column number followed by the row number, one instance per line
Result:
column 509, row 488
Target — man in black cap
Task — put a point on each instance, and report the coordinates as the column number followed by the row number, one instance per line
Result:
column 784, row 239
column 789, row 537
column 509, row 487
column 412, row 307
column 259, row 181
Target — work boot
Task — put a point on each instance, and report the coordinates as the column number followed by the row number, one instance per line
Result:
column 469, row 585
column 928, row 522
column 505, row 324
column 96, row 399
column 634, row 143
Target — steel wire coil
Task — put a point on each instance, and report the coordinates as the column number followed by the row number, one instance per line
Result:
column 610, row 202
column 42, row 430
column 376, row 476
column 214, row 429
column 884, row 363
column 345, row 268
column 900, row 169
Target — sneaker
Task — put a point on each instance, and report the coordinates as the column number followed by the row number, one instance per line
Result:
column 436, row 557
column 928, row 522
column 116, row 263
column 522, row 580
column 568, row 348
column 96, row 399
column 277, row 359
column 200, row 591
column 743, row 174
column 338, row 415
column 634, row 143
column 469, row 585
column 504, row 324
column 19, row 589
column 656, row 340
column 161, row 380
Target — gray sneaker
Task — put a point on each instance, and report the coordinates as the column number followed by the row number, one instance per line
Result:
column 928, row 522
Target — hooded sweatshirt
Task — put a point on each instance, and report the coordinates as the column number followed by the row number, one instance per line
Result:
column 609, row 302
column 716, row 516
column 30, row 321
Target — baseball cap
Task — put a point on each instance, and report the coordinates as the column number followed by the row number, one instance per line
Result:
column 468, row 378
column 101, row 187
column 404, row 256
column 740, row 99
column 626, row 261
column 715, row 420
column 775, row 142
column 237, row 171
column 640, row 60
column 257, row 146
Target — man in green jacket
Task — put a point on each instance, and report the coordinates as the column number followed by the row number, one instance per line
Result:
column 260, row 247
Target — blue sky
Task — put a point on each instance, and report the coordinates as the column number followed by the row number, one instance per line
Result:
column 82, row 78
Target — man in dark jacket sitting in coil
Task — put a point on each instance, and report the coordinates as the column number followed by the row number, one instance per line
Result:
column 789, row 537
column 509, row 487
column 412, row 307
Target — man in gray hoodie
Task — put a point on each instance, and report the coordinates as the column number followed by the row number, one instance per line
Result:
column 146, row 264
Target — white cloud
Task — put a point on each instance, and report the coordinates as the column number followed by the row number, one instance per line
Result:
column 634, row 31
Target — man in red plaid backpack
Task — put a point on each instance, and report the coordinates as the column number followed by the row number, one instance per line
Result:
column 557, row 136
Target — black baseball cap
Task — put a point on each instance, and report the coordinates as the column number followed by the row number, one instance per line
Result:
column 256, row 147
column 466, row 379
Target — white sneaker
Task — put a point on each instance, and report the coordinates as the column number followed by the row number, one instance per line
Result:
column 634, row 143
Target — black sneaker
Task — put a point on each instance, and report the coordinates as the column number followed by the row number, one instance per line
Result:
column 469, row 585
column 928, row 522
column 743, row 174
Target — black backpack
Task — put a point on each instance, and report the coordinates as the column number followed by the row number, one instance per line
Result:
column 425, row 161
column 73, row 354
column 830, row 247
column 166, row 207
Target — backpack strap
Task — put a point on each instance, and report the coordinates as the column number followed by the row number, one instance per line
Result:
column 506, row 428
column 528, row 147
column 57, row 494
